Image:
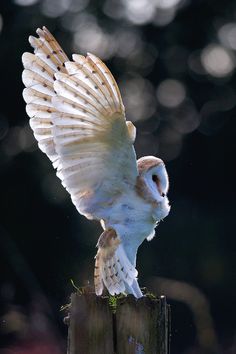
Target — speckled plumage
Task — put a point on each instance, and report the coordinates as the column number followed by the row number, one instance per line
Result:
column 78, row 118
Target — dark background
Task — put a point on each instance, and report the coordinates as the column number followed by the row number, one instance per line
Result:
column 175, row 64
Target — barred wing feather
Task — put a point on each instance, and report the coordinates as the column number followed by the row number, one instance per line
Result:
column 38, row 77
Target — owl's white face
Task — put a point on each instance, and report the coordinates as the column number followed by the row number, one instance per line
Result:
column 157, row 180
column 154, row 174
column 158, row 183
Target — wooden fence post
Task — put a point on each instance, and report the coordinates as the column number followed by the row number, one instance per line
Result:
column 137, row 327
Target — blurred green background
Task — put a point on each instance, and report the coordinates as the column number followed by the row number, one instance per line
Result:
column 174, row 61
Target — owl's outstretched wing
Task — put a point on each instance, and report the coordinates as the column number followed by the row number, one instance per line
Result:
column 77, row 116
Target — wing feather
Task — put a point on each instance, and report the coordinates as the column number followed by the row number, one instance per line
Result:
column 113, row 268
column 77, row 115
column 84, row 101
column 38, row 77
column 108, row 78
column 36, row 65
column 95, row 87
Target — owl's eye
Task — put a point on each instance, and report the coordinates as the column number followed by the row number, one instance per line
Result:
column 155, row 178
column 157, row 182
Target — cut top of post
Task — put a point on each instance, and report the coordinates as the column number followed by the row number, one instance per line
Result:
column 129, row 326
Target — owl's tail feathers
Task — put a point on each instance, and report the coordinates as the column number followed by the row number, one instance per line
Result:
column 112, row 267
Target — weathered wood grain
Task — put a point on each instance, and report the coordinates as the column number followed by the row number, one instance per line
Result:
column 142, row 326
column 139, row 326
column 90, row 325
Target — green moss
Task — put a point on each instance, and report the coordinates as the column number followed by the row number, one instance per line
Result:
column 113, row 299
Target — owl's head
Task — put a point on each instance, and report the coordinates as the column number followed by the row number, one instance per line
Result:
column 152, row 170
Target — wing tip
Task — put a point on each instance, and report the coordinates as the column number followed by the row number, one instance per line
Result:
column 42, row 31
column 24, row 77
column 24, row 58
column 78, row 57
column 32, row 40
column 91, row 54
column 39, row 32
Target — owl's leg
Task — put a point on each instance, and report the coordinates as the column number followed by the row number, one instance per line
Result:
column 112, row 267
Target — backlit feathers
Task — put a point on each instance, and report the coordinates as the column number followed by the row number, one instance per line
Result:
column 38, row 77
column 78, row 118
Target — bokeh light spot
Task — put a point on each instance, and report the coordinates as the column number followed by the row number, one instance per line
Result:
column 90, row 37
column 139, row 11
column 217, row 61
column 139, row 98
column 55, row 8
column 128, row 41
column 171, row 93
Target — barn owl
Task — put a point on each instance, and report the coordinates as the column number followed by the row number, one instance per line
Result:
column 78, row 118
